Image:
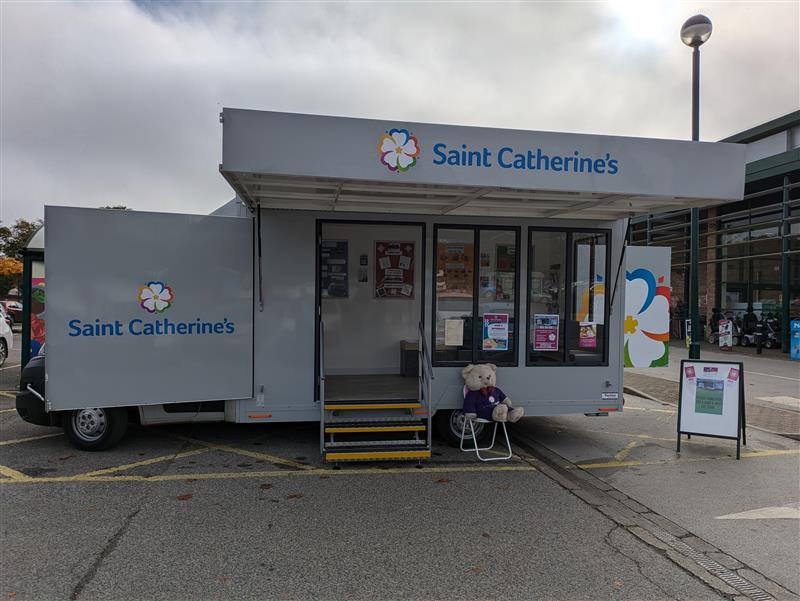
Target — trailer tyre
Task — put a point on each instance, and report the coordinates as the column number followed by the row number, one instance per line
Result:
column 448, row 424
column 95, row 429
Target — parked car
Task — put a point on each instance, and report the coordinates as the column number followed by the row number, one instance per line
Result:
column 14, row 310
column 5, row 316
column 6, row 339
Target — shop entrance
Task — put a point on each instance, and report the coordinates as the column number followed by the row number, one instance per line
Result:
column 370, row 291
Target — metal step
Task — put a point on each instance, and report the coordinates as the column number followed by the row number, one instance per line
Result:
column 377, row 443
column 377, row 455
column 376, row 420
column 377, row 428
column 371, row 406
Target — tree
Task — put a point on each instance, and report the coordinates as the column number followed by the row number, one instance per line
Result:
column 10, row 273
column 13, row 239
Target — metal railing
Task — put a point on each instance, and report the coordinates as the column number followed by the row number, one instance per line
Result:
column 425, row 371
column 321, row 385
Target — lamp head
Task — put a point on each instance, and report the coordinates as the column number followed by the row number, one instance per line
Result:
column 696, row 31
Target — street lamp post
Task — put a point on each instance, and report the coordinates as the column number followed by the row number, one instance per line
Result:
column 694, row 33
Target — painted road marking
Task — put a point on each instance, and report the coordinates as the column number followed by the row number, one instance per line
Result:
column 745, row 455
column 130, row 466
column 645, row 437
column 12, row 395
column 10, row 366
column 786, row 512
column 789, row 401
column 7, row 410
column 20, row 478
column 625, row 451
column 13, row 475
column 245, row 453
column 755, row 373
column 628, row 408
column 30, row 438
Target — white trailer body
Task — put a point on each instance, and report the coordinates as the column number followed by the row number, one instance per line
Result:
column 351, row 240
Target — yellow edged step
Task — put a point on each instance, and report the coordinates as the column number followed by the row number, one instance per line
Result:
column 362, row 455
column 359, row 429
column 359, row 406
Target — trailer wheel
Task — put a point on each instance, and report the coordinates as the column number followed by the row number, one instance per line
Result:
column 95, row 429
column 448, row 426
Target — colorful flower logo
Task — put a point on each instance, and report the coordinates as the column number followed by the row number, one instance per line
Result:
column 398, row 150
column 646, row 327
column 155, row 297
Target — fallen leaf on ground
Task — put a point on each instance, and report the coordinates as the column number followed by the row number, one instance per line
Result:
column 618, row 583
column 185, row 497
column 475, row 570
column 12, row 594
column 265, row 486
column 486, row 535
column 296, row 495
column 223, row 579
column 443, row 481
column 65, row 457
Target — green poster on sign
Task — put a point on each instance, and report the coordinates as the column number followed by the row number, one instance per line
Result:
column 709, row 396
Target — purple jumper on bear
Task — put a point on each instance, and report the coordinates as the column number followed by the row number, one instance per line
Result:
column 483, row 401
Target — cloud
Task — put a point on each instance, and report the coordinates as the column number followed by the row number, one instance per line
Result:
column 117, row 103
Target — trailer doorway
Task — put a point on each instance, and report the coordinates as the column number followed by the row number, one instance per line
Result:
column 370, row 297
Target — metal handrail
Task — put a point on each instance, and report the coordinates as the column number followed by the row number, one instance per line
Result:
column 425, row 351
column 321, row 376
column 425, row 372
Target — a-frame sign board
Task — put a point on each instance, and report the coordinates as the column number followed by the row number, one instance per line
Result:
column 711, row 401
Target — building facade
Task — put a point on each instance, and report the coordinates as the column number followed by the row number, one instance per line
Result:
column 749, row 250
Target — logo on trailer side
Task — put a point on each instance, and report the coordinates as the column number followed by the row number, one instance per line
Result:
column 398, row 150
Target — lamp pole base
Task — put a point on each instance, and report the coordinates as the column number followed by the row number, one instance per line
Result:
column 694, row 350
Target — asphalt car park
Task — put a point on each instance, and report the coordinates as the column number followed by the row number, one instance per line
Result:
column 242, row 511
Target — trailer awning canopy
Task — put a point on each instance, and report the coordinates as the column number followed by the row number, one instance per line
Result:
column 308, row 162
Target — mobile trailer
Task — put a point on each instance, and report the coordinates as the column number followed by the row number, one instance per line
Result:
column 360, row 267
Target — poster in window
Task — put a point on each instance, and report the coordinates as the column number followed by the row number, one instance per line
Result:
column 333, row 280
column 454, row 332
column 545, row 332
column 506, row 257
column 394, row 269
column 587, row 335
column 454, row 270
column 495, row 332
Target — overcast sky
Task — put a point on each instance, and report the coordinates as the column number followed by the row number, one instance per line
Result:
column 117, row 103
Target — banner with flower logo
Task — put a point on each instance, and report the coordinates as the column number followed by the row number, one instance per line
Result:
column 647, row 294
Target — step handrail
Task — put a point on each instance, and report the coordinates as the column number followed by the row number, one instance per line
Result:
column 425, row 377
column 321, row 377
column 426, row 355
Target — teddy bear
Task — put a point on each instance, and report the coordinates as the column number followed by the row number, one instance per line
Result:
column 482, row 399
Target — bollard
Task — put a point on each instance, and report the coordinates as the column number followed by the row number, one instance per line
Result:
column 759, row 336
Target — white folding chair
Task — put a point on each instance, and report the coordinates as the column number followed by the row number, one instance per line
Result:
column 477, row 420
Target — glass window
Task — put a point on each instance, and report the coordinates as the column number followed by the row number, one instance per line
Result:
column 497, row 283
column 475, row 296
column 585, row 328
column 547, row 299
column 455, row 280
column 568, row 272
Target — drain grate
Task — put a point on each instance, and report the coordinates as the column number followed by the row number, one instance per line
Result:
column 717, row 569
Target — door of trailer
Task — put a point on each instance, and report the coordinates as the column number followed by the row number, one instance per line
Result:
column 147, row 308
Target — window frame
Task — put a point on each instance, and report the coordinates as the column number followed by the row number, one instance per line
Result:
column 569, row 277
column 477, row 324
